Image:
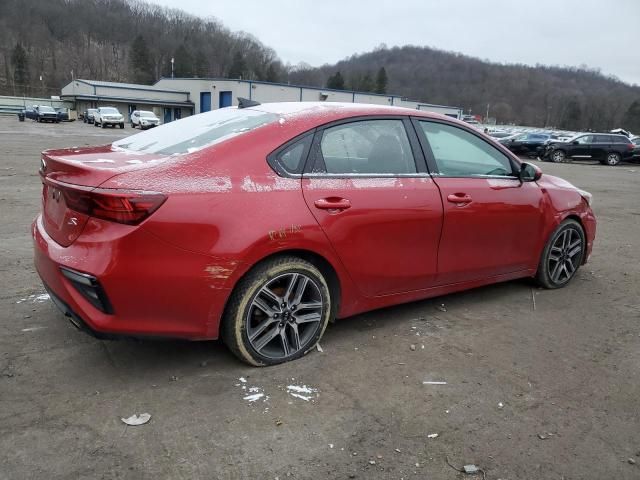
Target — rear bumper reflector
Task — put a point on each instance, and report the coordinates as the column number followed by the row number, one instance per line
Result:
column 89, row 287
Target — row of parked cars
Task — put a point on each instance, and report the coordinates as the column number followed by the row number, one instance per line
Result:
column 44, row 113
column 111, row 116
column 607, row 148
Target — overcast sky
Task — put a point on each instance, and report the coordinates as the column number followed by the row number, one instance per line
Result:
column 598, row 33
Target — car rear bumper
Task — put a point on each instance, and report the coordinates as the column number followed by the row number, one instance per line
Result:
column 152, row 289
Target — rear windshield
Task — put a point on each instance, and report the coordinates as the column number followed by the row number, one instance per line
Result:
column 196, row 132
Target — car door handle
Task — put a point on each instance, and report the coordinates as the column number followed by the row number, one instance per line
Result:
column 459, row 198
column 332, row 203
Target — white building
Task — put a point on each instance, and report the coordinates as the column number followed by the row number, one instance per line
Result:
column 173, row 98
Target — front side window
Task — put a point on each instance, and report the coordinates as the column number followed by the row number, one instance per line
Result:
column 196, row 132
column 367, row 147
column 584, row 140
column 458, row 153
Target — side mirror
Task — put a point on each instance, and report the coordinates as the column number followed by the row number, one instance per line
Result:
column 529, row 172
column 575, row 142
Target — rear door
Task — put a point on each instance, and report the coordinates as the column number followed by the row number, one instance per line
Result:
column 367, row 186
column 492, row 221
column 600, row 146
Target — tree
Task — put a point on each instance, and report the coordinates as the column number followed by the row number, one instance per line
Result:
column 183, row 62
column 631, row 119
column 238, row 67
column 573, row 115
column 272, row 73
column 381, row 81
column 336, row 81
column 20, row 62
column 140, row 64
column 366, row 83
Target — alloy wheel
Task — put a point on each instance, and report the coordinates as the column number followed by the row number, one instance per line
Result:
column 284, row 316
column 558, row 156
column 613, row 159
column 565, row 256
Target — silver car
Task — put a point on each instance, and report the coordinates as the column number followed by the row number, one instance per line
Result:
column 108, row 116
column 144, row 119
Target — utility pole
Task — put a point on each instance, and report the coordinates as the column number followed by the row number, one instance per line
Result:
column 487, row 117
column 172, row 61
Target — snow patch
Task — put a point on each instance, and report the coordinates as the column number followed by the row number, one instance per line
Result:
column 35, row 298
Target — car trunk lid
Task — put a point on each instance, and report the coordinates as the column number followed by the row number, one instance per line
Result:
column 70, row 180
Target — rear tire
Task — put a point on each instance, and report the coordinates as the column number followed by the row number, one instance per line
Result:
column 613, row 159
column 133, row 125
column 122, row 125
column 562, row 255
column 277, row 312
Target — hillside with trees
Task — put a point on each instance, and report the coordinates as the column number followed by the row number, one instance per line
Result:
column 43, row 43
column 46, row 43
column 571, row 98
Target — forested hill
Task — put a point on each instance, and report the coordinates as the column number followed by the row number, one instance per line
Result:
column 118, row 40
column 573, row 98
column 43, row 43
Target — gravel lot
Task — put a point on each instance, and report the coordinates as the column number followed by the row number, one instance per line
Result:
column 544, row 389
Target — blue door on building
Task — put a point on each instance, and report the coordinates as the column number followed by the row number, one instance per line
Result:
column 225, row 99
column 205, row 101
column 167, row 115
column 177, row 113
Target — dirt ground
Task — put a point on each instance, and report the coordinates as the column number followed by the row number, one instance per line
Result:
column 539, row 384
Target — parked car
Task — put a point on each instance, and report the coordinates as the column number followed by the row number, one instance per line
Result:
column 105, row 116
column 88, row 115
column 63, row 114
column 606, row 148
column 526, row 144
column 144, row 119
column 636, row 148
column 500, row 135
column 31, row 112
column 45, row 113
column 268, row 221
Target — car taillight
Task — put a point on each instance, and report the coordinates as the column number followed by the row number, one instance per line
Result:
column 130, row 207
column 630, row 146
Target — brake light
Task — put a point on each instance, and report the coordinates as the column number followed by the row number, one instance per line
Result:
column 631, row 146
column 130, row 207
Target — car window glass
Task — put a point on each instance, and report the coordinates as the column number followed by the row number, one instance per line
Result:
column 291, row 157
column 584, row 139
column 460, row 153
column 367, row 147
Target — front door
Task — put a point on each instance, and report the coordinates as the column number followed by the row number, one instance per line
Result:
column 167, row 115
column 492, row 221
column 581, row 147
column 380, row 210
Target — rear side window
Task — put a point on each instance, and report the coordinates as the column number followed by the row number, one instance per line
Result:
column 197, row 132
column 367, row 147
column 290, row 158
column 458, row 153
column 602, row 139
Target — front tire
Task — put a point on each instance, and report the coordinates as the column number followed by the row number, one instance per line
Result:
column 558, row 156
column 562, row 256
column 277, row 312
column 122, row 125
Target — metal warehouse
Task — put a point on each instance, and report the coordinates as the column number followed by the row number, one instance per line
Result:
column 174, row 98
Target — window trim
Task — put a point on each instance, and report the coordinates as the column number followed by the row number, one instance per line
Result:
column 315, row 154
column 431, row 161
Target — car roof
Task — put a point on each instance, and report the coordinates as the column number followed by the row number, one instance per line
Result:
column 324, row 112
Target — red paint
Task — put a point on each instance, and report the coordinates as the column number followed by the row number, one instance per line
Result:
column 389, row 240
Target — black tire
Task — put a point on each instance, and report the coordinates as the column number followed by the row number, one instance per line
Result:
column 121, row 125
column 133, row 125
column 613, row 159
column 550, row 270
column 96, row 124
column 280, row 277
column 103, row 125
column 558, row 156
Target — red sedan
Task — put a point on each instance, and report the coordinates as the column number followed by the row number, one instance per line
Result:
column 261, row 224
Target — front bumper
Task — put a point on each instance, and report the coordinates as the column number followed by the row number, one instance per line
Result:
column 153, row 289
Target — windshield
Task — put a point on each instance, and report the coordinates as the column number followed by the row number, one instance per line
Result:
column 47, row 109
column 196, row 132
column 148, row 115
column 109, row 110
